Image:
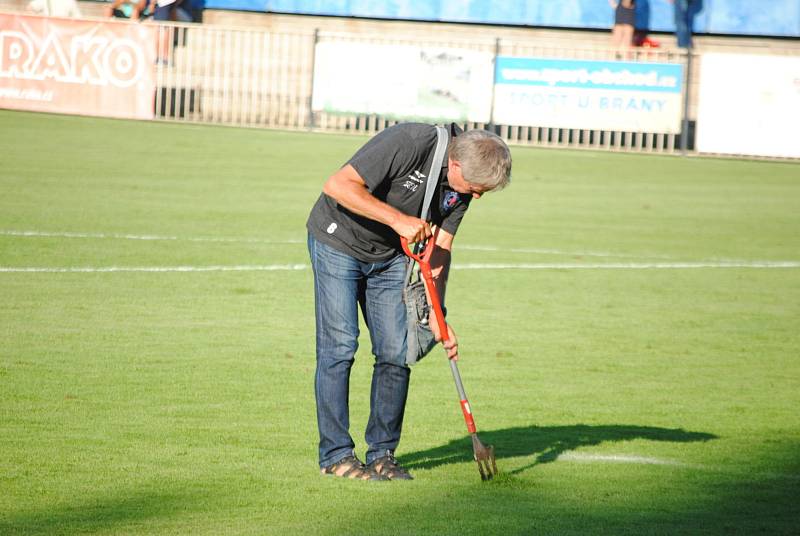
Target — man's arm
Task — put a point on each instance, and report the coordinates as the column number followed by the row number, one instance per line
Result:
column 440, row 262
column 440, row 268
column 349, row 190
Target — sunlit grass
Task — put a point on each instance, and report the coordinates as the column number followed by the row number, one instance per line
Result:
column 620, row 401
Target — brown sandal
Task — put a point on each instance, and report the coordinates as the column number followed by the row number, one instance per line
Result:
column 351, row 467
column 387, row 466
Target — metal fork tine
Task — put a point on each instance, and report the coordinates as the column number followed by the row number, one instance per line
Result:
column 480, row 468
column 493, row 459
column 485, row 458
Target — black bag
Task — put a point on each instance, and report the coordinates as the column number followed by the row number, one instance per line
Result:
column 420, row 337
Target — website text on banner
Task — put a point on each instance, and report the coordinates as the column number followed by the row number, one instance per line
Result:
column 590, row 95
column 749, row 105
column 77, row 67
column 402, row 81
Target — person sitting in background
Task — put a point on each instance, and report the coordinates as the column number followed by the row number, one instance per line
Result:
column 128, row 9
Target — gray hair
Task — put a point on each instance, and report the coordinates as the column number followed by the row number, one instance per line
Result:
column 484, row 157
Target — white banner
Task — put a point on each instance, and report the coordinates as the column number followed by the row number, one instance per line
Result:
column 83, row 67
column 406, row 82
column 749, row 105
column 592, row 95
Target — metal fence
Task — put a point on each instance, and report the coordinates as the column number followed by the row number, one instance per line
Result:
column 235, row 77
column 256, row 78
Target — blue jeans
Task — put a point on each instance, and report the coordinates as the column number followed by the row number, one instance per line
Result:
column 683, row 22
column 341, row 284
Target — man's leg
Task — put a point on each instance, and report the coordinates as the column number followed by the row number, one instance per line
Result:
column 336, row 279
column 683, row 23
column 386, row 317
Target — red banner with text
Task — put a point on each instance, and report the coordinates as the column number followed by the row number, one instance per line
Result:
column 77, row 66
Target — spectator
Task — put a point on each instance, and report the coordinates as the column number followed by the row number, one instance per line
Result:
column 624, row 21
column 55, row 8
column 163, row 11
column 684, row 13
column 195, row 9
column 128, row 9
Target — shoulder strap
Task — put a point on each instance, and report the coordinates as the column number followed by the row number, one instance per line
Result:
column 433, row 181
column 436, row 170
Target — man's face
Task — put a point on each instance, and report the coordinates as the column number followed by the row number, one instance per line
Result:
column 457, row 182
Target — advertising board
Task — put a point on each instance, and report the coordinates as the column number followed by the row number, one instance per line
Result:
column 584, row 94
column 76, row 66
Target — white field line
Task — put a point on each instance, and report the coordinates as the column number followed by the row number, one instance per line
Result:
column 102, row 269
column 46, row 234
column 543, row 251
column 250, row 240
column 546, row 251
column 645, row 460
column 618, row 458
column 627, row 265
column 247, row 240
column 297, row 267
column 586, row 253
column 708, row 263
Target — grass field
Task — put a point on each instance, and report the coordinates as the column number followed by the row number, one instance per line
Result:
column 629, row 328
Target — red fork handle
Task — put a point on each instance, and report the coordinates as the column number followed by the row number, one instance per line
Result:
column 424, row 254
column 423, row 259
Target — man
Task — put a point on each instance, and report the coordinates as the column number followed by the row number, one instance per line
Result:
column 354, row 235
column 684, row 14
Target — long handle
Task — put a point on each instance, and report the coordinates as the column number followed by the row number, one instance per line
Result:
column 423, row 259
column 462, row 395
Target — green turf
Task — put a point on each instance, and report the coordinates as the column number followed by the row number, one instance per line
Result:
column 620, row 401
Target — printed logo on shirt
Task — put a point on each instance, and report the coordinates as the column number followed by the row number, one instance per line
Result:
column 450, row 200
column 331, row 228
column 413, row 180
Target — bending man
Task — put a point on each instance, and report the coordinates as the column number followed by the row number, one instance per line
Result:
column 354, row 235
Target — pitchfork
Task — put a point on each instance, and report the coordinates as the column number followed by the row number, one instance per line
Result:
column 483, row 455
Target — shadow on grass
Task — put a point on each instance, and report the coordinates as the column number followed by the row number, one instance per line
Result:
column 547, row 443
column 100, row 514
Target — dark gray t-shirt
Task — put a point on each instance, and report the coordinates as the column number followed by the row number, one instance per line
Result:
column 394, row 165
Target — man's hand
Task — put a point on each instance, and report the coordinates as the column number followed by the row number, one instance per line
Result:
column 411, row 228
column 451, row 345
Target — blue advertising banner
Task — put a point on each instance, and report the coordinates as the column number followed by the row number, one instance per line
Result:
column 596, row 95
column 659, row 77
column 738, row 17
